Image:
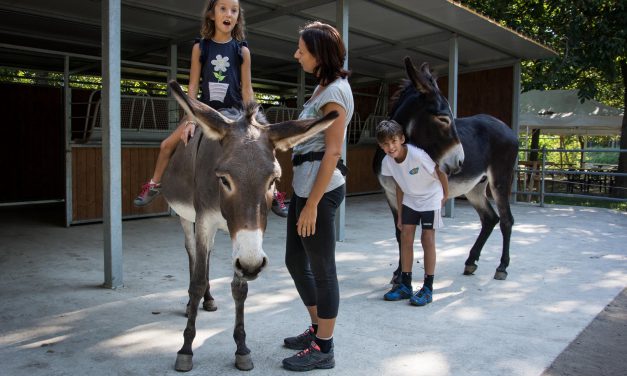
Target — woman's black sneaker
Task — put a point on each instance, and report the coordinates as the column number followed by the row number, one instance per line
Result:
column 310, row 358
column 301, row 341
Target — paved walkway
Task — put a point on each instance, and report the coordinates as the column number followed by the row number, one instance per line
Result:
column 567, row 264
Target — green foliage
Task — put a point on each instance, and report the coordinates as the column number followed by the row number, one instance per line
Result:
column 128, row 87
column 588, row 35
column 572, row 158
column 55, row 79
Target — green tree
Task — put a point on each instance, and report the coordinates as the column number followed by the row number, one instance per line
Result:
column 590, row 37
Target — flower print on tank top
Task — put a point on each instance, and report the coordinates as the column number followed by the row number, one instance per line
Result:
column 217, row 90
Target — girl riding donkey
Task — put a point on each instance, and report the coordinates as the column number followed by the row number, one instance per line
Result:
column 221, row 57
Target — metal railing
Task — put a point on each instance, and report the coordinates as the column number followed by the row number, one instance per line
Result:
column 143, row 118
column 588, row 180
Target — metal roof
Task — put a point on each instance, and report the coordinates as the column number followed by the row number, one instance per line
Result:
column 381, row 33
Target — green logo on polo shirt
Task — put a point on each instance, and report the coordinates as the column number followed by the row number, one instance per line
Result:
column 413, row 171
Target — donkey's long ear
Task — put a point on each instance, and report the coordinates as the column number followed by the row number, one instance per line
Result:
column 214, row 125
column 416, row 77
column 290, row 133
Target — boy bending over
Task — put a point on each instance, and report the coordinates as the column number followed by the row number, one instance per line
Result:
column 421, row 190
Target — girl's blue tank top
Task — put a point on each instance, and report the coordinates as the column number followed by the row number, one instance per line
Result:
column 221, row 73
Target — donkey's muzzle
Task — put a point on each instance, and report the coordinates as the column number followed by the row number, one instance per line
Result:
column 249, row 259
column 249, row 272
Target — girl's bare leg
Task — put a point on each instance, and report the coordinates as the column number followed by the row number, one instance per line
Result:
column 167, row 148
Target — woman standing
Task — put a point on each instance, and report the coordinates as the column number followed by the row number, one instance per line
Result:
column 319, row 188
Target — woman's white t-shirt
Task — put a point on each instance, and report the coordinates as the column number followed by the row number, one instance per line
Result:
column 338, row 91
column 416, row 176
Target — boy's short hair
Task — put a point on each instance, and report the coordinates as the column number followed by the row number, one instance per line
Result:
column 387, row 130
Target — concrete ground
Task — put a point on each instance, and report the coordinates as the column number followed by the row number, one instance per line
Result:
column 567, row 264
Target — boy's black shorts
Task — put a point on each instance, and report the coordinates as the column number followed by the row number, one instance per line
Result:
column 411, row 217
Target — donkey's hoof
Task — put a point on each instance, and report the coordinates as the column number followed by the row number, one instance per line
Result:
column 209, row 305
column 244, row 362
column 501, row 276
column 183, row 363
column 470, row 269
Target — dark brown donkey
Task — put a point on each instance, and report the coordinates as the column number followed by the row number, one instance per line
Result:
column 224, row 179
column 478, row 151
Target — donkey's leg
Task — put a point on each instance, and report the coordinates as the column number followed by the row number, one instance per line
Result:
column 197, row 288
column 500, row 189
column 209, row 303
column 489, row 219
column 389, row 188
column 190, row 247
column 239, row 290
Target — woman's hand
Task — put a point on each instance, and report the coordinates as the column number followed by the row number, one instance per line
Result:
column 188, row 132
column 306, row 225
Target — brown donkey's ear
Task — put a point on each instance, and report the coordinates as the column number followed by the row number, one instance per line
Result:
column 213, row 124
column 290, row 133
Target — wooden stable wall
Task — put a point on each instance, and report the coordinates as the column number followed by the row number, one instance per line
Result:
column 137, row 167
column 32, row 151
column 484, row 92
column 360, row 178
column 138, row 164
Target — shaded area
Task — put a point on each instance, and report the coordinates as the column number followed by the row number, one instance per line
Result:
column 600, row 348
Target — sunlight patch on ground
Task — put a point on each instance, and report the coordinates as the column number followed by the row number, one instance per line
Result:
column 470, row 313
column 351, row 256
column 564, row 306
column 512, row 296
column 425, row 363
column 454, row 252
column 386, row 242
column 357, row 292
column 32, row 334
column 558, row 271
column 259, row 302
column 531, row 229
column 144, row 338
column 444, row 283
column 45, row 342
column 475, row 226
column 615, row 279
column 514, row 367
column 615, row 257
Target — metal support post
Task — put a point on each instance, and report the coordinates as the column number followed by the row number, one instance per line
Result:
column 453, row 62
column 111, row 143
column 342, row 26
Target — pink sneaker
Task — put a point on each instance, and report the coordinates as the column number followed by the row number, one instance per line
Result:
column 278, row 204
column 148, row 193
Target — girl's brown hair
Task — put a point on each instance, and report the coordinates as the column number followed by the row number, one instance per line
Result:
column 208, row 29
column 325, row 44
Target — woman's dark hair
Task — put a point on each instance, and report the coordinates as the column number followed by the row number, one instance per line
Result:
column 325, row 44
column 208, row 28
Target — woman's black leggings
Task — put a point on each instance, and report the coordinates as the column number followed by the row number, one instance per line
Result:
column 311, row 260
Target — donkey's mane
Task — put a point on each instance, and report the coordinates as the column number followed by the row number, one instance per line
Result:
column 406, row 85
column 249, row 110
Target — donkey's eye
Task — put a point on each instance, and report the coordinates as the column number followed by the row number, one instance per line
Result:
column 444, row 119
column 225, row 182
column 272, row 183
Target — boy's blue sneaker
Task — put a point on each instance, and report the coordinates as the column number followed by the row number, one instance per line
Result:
column 398, row 292
column 422, row 297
